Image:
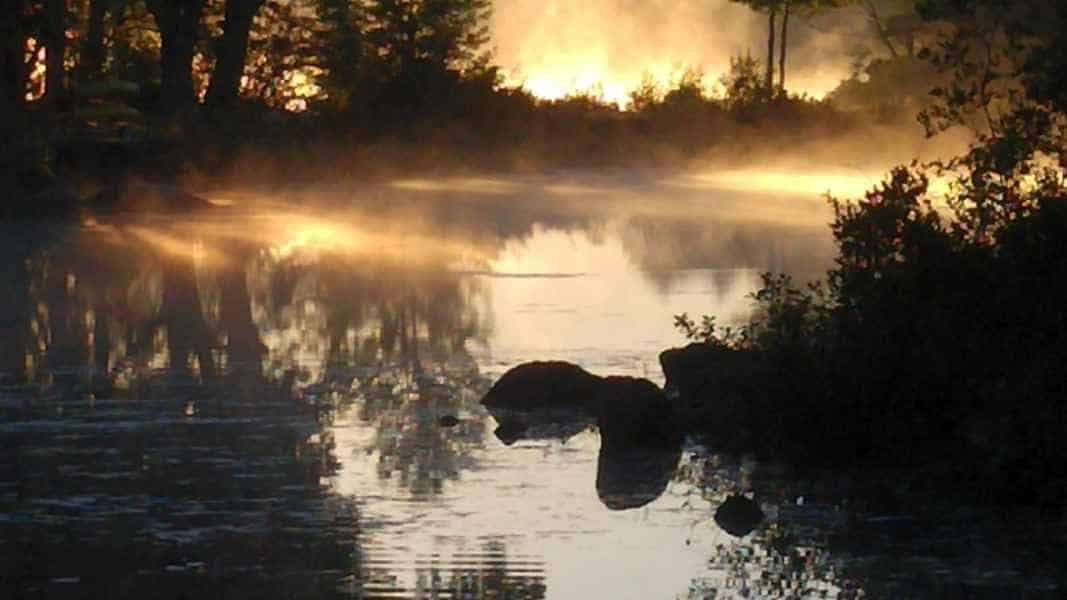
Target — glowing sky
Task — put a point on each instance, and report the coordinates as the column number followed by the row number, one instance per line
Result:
column 554, row 47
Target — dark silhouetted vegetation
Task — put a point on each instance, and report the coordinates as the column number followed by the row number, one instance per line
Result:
column 938, row 339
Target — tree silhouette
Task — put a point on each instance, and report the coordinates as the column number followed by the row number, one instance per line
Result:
column 786, row 8
column 232, row 49
column 178, row 21
column 424, row 44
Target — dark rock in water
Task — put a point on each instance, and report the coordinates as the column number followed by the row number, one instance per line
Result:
column 687, row 369
column 542, row 400
column 447, row 421
column 739, row 516
column 544, row 386
column 635, row 412
column 731, row 397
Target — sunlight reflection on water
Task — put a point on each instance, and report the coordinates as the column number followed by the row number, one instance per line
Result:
column 282, row 373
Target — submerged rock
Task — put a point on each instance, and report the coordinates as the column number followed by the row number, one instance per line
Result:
column 739, row 516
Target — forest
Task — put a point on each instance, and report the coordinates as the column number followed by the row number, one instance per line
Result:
column 239, row 90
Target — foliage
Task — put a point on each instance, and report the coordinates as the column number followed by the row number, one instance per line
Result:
column 942, row 325
column 743, row 83
column 889, row 89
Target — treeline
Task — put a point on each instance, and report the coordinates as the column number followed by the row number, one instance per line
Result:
column 184, row 52
column 260, row 90
column 338, row 54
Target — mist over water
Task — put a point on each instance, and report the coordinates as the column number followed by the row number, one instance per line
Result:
column 289, row 393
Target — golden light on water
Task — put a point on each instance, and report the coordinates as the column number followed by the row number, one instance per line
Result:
column 473, row 185
column 176, row 245
column 843, row 185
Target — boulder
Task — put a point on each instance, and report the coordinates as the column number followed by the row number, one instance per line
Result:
column 635, row 412
column 544, row 387
column 731, row 397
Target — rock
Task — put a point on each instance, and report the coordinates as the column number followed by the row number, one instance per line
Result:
column 739, row 516
column 633, row 411
column 542, row 400
column 687, row 369
column 544, row 386
column 730, row 397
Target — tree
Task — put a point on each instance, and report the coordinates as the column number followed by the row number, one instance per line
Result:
column 342, row 48
column 13, row 68
column 894, row 22
column 232, row 49
column 55, row 41
column 423, row 44
column 771, row 7
column 786, row 8
column 806, row 8
column 92, row 50
column 178, row 22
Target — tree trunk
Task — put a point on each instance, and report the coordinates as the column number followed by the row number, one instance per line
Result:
column 55, row 42
column 244, row 348
column 768, row 80
column 92, row 56
column 226, row 80
column 182, row 315
column 783, row 43
column 879, row 26
column 177, row 21
column 13, row 71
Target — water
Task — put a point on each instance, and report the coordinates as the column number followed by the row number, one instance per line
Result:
column 281, row 399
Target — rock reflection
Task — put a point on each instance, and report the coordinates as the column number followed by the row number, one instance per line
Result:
column 640, row 440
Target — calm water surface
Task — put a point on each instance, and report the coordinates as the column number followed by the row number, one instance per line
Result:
column 249, row 404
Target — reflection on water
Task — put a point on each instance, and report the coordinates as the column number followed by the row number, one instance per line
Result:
column 265, row 402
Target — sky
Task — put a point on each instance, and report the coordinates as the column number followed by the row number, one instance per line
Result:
column 554, row 47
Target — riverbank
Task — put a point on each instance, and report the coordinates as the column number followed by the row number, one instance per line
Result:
column 933, row 345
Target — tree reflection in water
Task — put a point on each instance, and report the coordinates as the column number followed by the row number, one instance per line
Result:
column 166, row 404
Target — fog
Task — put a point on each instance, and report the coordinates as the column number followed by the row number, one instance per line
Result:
column 558, row 46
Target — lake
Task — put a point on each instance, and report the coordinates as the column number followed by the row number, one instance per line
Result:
column 281, row 398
